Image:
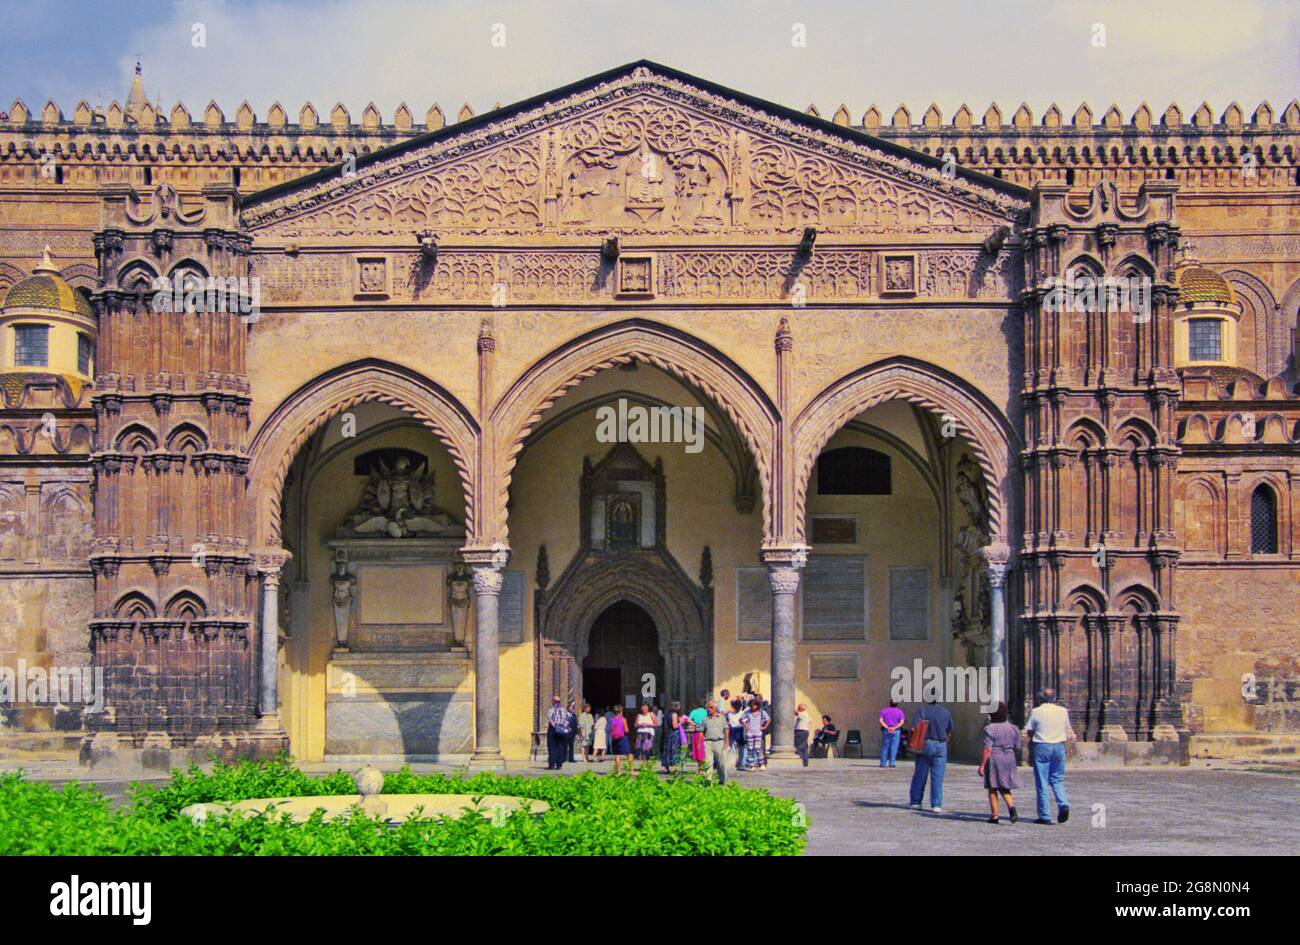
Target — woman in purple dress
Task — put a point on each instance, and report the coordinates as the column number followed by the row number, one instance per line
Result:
column 998, row 763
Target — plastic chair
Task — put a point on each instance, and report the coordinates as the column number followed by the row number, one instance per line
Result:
column 854, row 740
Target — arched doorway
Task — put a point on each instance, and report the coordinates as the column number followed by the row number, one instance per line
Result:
column 623, row 650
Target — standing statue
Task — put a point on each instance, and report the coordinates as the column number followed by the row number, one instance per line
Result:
column 970, row 493
column 344, row 585
column 458, row 584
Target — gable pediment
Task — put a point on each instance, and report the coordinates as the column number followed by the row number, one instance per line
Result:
column 640, row 150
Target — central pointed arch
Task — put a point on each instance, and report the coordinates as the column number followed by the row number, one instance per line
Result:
column 676, row 352
column 307, row 409
column 990, row 435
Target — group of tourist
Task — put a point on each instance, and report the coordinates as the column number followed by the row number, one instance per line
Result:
column 1048, row 728
column 720, row 733
column 724, row 732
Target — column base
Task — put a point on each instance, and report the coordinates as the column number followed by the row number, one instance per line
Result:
column 270, row 724
column 488, row 760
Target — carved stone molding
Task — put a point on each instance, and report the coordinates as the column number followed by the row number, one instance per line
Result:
column 686, row 358
column 302, row 413
column 986, row 430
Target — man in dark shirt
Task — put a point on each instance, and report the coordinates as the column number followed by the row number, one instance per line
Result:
column 932, row 761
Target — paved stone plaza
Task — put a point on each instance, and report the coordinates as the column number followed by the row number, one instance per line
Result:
column 856, row 808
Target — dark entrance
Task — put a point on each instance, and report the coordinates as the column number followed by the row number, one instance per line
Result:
column 622, row 651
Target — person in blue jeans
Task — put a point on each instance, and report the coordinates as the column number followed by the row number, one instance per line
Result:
column 891, row 721
column 932, row 761
column 1049, row 729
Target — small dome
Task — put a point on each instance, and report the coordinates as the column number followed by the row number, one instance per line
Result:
column 1199, row 284
column 45, row 288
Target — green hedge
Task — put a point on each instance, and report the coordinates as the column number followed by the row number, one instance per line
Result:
column 589, row 815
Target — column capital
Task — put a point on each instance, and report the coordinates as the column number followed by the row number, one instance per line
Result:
column 270, row 562
column 487, row 579
column 785, row 579
column 998, row 558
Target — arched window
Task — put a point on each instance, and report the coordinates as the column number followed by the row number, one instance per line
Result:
column 853, row 470
column 1263, row 522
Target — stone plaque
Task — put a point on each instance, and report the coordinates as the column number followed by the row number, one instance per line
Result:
column 753, row 606
column 510, row 604
column 363, row 674
column 834, row 530
column 835, row 598
column 909, row 603
column 832, row 666
column 401, row 594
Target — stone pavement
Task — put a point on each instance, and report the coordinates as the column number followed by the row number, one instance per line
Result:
column 857, row 808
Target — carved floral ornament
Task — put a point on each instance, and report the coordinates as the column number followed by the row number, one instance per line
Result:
column 642, row 152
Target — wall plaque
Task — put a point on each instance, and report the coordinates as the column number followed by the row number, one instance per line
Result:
column 753, row 606
column 909, row 603
column 401, row 594
column 834, row 530
column 835, row 597
column 832, row 666
column 511, row 607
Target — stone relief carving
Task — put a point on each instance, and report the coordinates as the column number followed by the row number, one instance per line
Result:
column 458, row 585
column 343, row 591
column 641, row 153
column 971, row 605
column 398, row 502
column 760, row 274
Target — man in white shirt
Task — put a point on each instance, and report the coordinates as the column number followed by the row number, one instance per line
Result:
column 1048, row 729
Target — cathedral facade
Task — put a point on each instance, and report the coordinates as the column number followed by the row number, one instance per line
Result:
column 369, row 439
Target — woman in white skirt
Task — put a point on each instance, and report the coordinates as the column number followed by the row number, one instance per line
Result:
column 600, row 737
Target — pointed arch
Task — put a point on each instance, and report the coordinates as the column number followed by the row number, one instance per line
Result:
column 135, row 605
column 1264, row 518
column 137, row 275
column 1202, row 510
column 1088, row 597
column 672, row 350
column 1140, row 428
column 1089, row 429
column 990, row 436
column 307, row 409
column 186, row 438
column 136, row 438
column 185, row 604
column 1138, row 598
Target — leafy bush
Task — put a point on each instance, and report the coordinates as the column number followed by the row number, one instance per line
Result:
column 589, row 815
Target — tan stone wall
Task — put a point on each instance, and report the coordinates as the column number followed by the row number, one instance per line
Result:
column 1239, row 621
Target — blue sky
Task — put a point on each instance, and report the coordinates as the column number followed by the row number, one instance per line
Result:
column 857, row 52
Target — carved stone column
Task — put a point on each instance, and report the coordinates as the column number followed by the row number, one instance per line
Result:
column 783, row 566
column 269, row 565
column 998, row 557
column 486, row 565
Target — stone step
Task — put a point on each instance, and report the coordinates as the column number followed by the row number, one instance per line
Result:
column 31, row 744
column 1247, row 747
